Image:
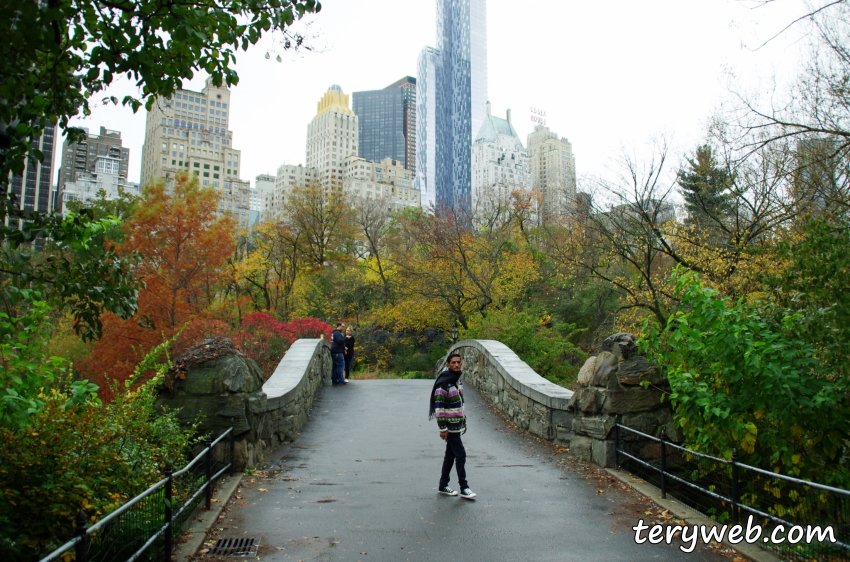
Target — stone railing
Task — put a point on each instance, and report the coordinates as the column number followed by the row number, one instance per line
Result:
column 215, row 388
column 527, row 399
column 610, row 388
column 289, row 395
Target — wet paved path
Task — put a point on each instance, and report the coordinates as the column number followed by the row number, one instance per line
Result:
column 360, row 483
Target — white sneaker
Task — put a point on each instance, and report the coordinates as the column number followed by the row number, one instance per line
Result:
column 467, row 494
column 446, row 491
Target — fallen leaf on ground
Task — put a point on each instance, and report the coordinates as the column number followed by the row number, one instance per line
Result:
column 262, row 490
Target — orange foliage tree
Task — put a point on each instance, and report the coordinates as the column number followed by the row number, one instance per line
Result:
column 185, row 244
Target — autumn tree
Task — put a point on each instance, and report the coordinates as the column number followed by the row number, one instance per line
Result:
column 375, row 224
column 458, row 270
column 266, row 264
column 323, row 219
column 184, row 243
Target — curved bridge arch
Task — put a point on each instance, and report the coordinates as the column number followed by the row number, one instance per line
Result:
column 533, row 403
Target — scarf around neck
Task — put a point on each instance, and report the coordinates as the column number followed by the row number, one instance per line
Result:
column 446, row 377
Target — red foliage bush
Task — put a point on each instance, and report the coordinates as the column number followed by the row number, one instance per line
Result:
column 266, row 339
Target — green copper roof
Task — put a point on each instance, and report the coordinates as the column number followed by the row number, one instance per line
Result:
column 494, row 126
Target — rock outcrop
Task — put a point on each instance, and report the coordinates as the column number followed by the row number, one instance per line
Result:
column 618, row 384
column 214, row 384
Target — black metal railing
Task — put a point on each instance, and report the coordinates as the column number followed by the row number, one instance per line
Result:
column 143, row 528
column 730, row 491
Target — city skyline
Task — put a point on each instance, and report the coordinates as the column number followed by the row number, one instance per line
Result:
column 607, row 78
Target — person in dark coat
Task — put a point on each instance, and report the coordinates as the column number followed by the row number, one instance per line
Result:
column 338, row 355
column 349, row 352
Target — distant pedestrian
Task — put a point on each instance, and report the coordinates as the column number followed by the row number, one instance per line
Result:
column 338, row 355
column 349, row 352
column 448, row 407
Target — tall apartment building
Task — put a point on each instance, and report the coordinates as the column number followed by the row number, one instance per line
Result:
column 189, row 132
column 106, row 178
column 450, row 102
column 553, row 172
column 81, row 158
column 34, row 186
column 331, row 136
column 388, row 180
column 288, row 177
column 499, row 163
column 387, row 122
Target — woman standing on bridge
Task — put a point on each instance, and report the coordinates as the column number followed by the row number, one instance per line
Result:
column 349, row 352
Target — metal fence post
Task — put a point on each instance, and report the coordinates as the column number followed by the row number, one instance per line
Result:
column 735, row 498
column 83, row 545
column 663, row 464
column 617, row 442
column 208, row 468
column 232, row 444
column 169, row 522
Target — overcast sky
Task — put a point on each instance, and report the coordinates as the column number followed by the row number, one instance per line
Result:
column 609, row 73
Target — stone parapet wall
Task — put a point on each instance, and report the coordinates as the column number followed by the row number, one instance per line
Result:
column 215, row 389
column 531, row 402
column 617, row 384
column 279, row 415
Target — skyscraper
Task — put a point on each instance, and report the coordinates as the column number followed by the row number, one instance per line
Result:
column 189, row 132
column 553, row 172
column 451, row 100
column 387, row 122
column 331, row 136
column 33, row 186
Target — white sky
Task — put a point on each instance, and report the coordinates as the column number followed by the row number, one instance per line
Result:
column 609, row 73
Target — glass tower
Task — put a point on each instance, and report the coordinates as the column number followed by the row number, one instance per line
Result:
column 451, row 102
column 387, row 122
column 34, row 185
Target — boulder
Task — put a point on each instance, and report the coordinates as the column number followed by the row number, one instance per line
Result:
column 621, row 344
column 585, row 374
column 588, row 403
column 606, row 364
column 212, row 384
column 636, row 369
column 594, row 427
column 643, row 422
column 581, row 447
column 631, row 400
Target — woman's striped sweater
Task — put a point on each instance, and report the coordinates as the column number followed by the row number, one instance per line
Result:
column 448, row 407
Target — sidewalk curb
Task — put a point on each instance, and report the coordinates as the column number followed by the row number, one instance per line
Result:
column 197, row 528
column 690, row 515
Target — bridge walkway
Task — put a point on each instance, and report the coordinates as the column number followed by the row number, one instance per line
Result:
column 360, row 483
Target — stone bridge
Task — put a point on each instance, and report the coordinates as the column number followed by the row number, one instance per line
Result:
column 358, row 479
